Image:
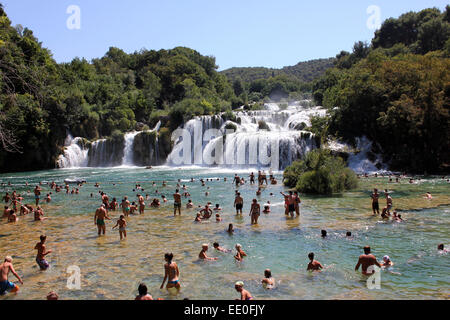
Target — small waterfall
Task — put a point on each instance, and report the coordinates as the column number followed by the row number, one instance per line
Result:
column 128, row 155
column 75, row 153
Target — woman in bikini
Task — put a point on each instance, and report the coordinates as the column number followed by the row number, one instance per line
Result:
column 171, row 271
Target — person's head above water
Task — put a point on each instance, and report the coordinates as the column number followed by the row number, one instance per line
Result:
column 142, row 289
column 441, row 246
column 8, row 259
column 311, row 256
column 348, row 234
column 367, row 249
column 324, row 233
column 239, row 285
column 215, row 244
column 267, row 273
column 386, row 259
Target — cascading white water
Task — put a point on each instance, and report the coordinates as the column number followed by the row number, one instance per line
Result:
column 251, row 144
column 127, row 159
column 75, row 155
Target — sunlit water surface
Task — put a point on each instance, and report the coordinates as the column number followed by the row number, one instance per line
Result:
column 112, row 269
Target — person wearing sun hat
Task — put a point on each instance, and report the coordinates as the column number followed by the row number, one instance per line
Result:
column 245, row 294
column 387, row 262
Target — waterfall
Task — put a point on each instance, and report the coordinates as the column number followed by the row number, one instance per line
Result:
column 262, row 138
column 127, row 159
column 75, row 154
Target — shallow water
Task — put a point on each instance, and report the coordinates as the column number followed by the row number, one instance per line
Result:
column 112, row 269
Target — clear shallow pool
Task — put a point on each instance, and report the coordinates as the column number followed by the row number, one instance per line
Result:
column 111, row 269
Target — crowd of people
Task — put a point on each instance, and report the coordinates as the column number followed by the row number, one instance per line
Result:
column 15, row 206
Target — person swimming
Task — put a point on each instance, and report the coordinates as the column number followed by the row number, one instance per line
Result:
column 386, row 262
column 202, row 255
column 245, row 295
column 268, row 282
column 313, row 265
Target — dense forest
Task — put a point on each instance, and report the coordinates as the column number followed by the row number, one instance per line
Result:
column 395, row 91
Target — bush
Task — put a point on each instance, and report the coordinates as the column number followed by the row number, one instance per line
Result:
column 320, row 173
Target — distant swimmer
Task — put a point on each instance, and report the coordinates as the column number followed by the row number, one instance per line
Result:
column 313, row 265
column 252, row 178
column 219, row 248
column 122, row 223
column 198, row 217
column 42, row 252
column 189, row 205
column 217, row 207
column 240, row 254
column 5, row 285
column 387, row 262
column 37, row 194
column 155, row 203
column 237, row 180
column 441, row 248
column 206, row 212
column 171, row 274
column 48, row 199
column 12, row 217
column 245, row 295
column 375, row 206
column 218, row 218
column 230, row 229
column 238, row 203
column 99, row 219
column 254, row 212
column 366, row 260
column 323, row 233
column 143, row 293
column 202, row 255
column 177, row 203
column 428, row 196
column 266, row 207
column 268, row 282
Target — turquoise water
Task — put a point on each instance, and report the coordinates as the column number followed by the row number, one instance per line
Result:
column 112, row 269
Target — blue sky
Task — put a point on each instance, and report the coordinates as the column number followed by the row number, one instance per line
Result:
column 238, row 33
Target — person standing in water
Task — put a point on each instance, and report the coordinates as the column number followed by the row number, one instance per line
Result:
column 42, row 252
column 143, row 293
column 37, row 194
column 255, row 212
column 252, row 178
column 177, row 203
column 202, row 255
column 388, row 202
column 245, row 295
column 375, row 206
column 99, row 219
column 172, row 273
column 313, row 265
column 238, row 203
column 122, row 223
column 366, row 260
column 5, row 268
column 125, row 206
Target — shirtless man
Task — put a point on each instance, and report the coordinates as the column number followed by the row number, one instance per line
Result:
column 37, row 194
column 122, row 223
column 125, row 206
column 141, row 204
column 375, row 206
column 268, row 282
column 189, row 205
column 388, row 202
column 176, row 203
column 313, row 265
column 245, row 295
column 99, row 219
column 237, row 180
column 41, row 253
column 105, row 200
column 290, row 202
column 255, row 212
column 202, row 255
column 252, row 178
column 206, row 212
column 5, row 268
column 38, row 214
column 238, row 203
column 171, row 273
column 365, row 260
column 143, row 293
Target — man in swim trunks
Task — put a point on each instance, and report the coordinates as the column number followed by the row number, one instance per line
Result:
column 366, row 260
column 171, row 272
column 176, row 203
column 143, row 293
column 238, row 203
column 5, row 268
column 105, row 200
column 141, row 204
column 42, row 252
column 375, row 206
column 237, row 180
column 255, row 210
column 290, row 202
column 122, row 223
column 37, row 194
column 245, row 295
column 202, row 255
column 99, row 219
column 252, row 178
column 313, row 265
column 125, row 206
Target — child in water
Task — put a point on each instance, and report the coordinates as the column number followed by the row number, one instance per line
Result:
column 122, row 223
